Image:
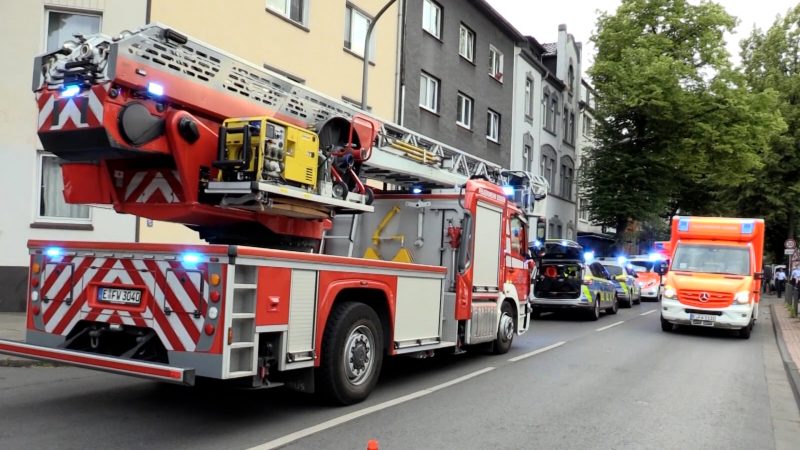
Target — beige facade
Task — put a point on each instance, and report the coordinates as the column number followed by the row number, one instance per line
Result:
column 33, row 207
column 303, row 39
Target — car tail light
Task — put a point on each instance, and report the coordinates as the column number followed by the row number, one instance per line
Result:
column 550, row 272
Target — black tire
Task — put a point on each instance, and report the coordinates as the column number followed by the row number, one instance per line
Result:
column 666, row 325
column 352, row 328
column 369, row 195
column 594, row 314
column 627, row 303
column 744, row 333
column 614, row 307
column 339, row 190
column 505, row 331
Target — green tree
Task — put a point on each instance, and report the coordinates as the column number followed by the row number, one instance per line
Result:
column 771, row 62
column 677, row 128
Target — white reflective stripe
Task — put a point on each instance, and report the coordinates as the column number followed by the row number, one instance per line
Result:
column 134, row 184
column 158, row 183
column 514, row 263
column 95, row 106
column 127, row 320
column 180, row 331
column 177, row 289
column 70, row 111
column 46, row 110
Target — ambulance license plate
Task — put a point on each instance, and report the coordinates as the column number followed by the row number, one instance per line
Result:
column 120, row 296
column 703, row 317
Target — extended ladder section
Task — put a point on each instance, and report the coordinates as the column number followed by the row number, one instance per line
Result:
column 185, row 72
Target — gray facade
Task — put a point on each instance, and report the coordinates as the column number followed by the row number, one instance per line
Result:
column 439, row 58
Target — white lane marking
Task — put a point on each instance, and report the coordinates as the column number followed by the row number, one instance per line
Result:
column 610, row 326
column 536, row 352
column 289, row 438
column 648, row 312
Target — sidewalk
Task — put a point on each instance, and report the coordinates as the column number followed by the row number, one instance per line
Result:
column 787, row 331
column 12, row 328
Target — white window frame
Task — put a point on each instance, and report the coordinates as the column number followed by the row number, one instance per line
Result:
column 464, row 121
column 529, row 97
column 49, row 10
column 429, row 81
column 429, row 6
column 350, row 12
column 493, row 126
column 286, row 10
column 466, row 43
column 39, row 218
column 495, row 63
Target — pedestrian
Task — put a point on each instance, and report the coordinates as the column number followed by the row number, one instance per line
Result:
column 766, row 282
column 780, row 281
column 795, row 275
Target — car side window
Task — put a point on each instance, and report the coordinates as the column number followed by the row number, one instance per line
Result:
column 598, row 271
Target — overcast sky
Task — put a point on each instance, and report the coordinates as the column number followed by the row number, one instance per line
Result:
column 540, row 19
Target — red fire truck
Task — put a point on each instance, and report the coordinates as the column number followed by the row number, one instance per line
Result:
column 310, row 277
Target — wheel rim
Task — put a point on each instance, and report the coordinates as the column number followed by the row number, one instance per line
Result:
column 359, row 355
column 507, row 326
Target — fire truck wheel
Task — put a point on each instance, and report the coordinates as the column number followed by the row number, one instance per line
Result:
column 506, row 330
column 352, row 353
column 339, row 190
column 370, row 196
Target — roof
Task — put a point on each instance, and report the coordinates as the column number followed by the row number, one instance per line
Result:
column 501, row 22
column 550, row 48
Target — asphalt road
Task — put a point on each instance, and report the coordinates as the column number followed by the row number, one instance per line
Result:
column 619, row 382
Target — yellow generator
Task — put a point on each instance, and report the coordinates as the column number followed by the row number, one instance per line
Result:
column 276, row 151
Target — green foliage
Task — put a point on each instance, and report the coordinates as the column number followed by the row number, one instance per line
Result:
column 678, row 129
column 771, row 62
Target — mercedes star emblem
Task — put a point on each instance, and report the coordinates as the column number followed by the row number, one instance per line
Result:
column 704, row 297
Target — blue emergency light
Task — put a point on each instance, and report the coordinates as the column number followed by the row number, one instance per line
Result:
column 155, row 89
column 70, row 90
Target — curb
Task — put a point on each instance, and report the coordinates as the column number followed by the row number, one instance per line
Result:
column 791, row 369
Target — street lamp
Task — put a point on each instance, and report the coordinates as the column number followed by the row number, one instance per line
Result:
column 365, row 73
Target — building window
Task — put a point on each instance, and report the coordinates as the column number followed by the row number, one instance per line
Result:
column 429, row 92
column 583, row 212
column 495, row 64
column 464, row 109
column 545, row 108
column 551, row 120
column 432, row 18
column 571, row 78
column 565, row 125
column 567, row 177
column 587, row 125
column 61, row 26
column 572, row 128
column 355, row 32
column 294, row 10
column 466, row 43
column 527, row 158
column 529, row 98
column 548, row 167
column 52, row 206
column 493, row 126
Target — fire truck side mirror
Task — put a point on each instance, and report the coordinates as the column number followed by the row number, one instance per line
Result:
column 464, row 257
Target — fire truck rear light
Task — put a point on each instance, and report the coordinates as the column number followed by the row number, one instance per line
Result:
column 35, row 296
column 213, row 313
column 214, row 279
column 209, row 329
column 36, row 310
column 34, row 282
column 35, row 267
column 214, row 296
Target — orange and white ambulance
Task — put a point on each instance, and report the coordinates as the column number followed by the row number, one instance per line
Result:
column 714, row 274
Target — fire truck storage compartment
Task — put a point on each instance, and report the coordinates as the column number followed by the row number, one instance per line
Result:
column 487, row 246
column 418, row 311
column 302, row 314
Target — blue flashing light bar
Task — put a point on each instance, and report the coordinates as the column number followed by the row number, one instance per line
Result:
column 683, row 224
column 191, row 259
column 155, row 89
column 71, row 90
column 54, row 252
column 416, row 190
column 508, row 190
column 588, row 256
column 654, row 257
column 621, row 259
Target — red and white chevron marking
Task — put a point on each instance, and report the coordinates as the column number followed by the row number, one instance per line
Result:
column 153, row 186
column 170, row 287
column 66, row 113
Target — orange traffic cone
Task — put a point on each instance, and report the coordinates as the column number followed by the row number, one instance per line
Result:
column 372, row 444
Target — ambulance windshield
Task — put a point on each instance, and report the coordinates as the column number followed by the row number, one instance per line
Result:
column 712, row 259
